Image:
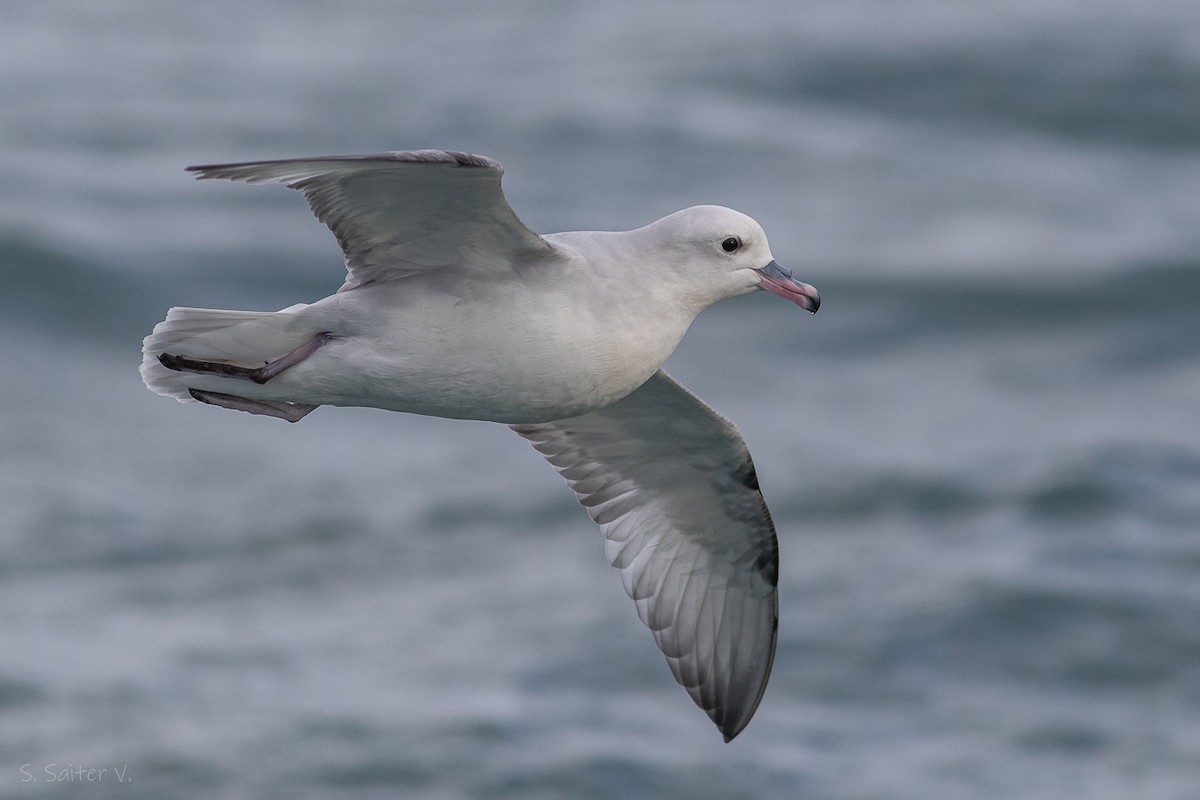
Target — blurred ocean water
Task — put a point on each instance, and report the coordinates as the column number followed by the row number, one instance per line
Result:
column 982, row 456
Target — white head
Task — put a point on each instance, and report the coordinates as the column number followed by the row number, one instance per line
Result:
column 718, row 252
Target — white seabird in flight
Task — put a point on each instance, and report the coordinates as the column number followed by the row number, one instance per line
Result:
column 452, row 307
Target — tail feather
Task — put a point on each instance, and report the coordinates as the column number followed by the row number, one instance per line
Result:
column 248, row 338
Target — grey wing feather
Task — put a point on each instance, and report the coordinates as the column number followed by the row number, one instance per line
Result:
column 673, row 488
column 403, row 213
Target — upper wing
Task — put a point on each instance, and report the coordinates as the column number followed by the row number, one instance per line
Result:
column 396, row 214
column 672, row 486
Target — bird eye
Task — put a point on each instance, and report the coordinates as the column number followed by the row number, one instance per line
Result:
column 731, row 244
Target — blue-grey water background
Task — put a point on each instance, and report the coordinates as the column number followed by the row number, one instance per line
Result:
column 983, row 455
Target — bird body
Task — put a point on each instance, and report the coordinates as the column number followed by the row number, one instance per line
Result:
column 426, row 346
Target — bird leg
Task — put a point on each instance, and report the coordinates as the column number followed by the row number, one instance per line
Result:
column 257, row 374
column 292, row 412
